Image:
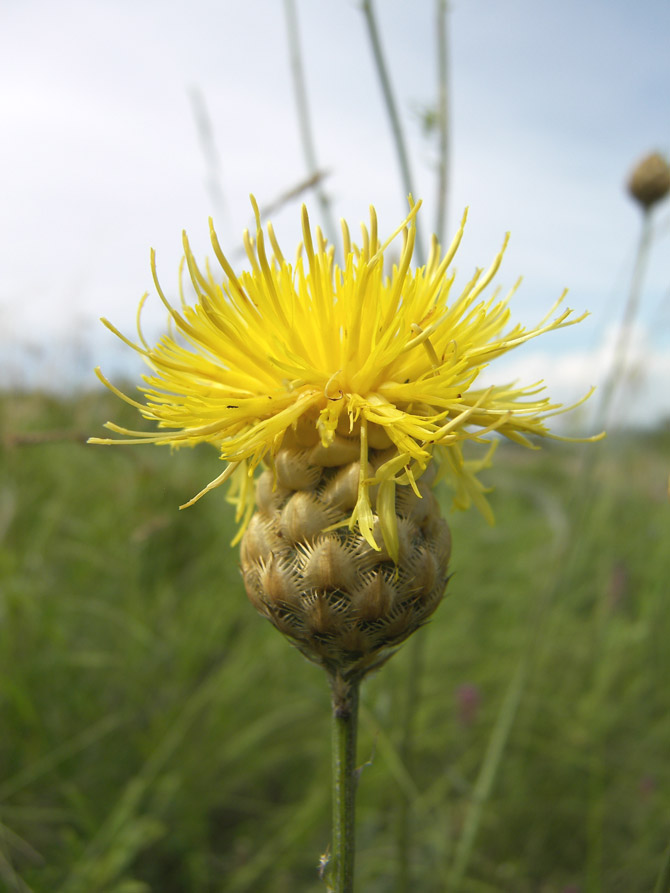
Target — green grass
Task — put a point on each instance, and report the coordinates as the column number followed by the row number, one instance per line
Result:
column 156, row 734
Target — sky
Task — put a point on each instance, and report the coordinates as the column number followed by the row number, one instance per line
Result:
column 102, row 158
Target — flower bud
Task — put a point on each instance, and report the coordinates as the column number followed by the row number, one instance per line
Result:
column 649, row 181
column 343, row 603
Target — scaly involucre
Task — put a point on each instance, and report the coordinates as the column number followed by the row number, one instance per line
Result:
column 349, row 349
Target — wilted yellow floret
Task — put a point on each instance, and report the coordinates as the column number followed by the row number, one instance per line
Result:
column 349, row 349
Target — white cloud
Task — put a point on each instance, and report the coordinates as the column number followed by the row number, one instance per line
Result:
column 642, row 397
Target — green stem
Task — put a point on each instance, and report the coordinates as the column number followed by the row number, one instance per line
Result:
column 345, row 778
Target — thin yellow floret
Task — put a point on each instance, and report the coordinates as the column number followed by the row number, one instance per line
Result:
column 350, row 344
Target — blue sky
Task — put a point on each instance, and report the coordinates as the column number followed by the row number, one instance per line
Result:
column 100, row 157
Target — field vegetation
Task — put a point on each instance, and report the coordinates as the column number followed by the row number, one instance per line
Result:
column 157, row 735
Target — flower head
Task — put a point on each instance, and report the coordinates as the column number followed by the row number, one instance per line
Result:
column 383, row 360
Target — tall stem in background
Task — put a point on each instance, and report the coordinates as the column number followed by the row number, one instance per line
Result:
column 392, row 110
column 620, row 356
column 304, row 121
column 442, row 29
column 213, row 181
column 586, row 482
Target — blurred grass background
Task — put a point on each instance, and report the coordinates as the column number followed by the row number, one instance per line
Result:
column 156, row 734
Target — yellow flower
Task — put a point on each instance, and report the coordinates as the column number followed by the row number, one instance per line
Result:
column 351, row 349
